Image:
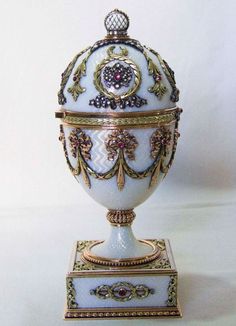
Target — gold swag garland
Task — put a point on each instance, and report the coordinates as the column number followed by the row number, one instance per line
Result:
column 120, row 167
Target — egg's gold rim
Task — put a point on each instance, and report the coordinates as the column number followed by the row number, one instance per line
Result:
column 113, row 120
column 63, row 112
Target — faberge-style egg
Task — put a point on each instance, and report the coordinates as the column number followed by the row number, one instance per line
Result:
column 119, row 117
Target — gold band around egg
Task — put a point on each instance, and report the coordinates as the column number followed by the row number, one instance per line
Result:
column 121, row 120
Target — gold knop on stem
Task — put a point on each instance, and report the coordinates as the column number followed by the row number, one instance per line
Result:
column 121, row 217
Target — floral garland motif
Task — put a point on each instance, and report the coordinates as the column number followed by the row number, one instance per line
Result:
column 121, row 140
column 161, row 138
column 176, row 136
column 76, row 89
column 65, row 76
column 160, row 142
column 158, row 88
column 79, row 140
column 122, row 291
column 62, row 139
column 120, row 145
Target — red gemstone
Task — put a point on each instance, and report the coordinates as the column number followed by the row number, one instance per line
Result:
column 121, row 144
column 117, row 76
column 122, row 292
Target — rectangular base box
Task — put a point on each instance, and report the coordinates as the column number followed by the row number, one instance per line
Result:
column 100, row 292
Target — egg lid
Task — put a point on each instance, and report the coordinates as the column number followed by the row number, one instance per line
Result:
column 117, row 76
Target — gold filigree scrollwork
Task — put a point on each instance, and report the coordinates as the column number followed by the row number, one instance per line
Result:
column 76, row 89
column 158, row 88
column 122, row 291
column 81, row 245
column 65, row 76
column 81, row 266
column 122, row 56
column 164, row 263
column 172, row 292
column 71, row 302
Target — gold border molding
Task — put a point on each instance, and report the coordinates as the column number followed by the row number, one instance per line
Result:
column 119, row 313
column 87, row 255
column 123, row 120
column 161, row 263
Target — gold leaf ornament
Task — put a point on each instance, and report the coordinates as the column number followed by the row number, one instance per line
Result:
column 76, row 89
column 65, row 77
column 158, row 88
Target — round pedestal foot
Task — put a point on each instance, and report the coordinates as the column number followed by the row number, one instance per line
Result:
column 154, row 253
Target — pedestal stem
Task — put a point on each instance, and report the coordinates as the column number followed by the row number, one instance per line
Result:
column 121, row 243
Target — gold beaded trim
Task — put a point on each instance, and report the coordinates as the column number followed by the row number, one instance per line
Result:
column 121, row 217
column 125, row 313
column 123, row 262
